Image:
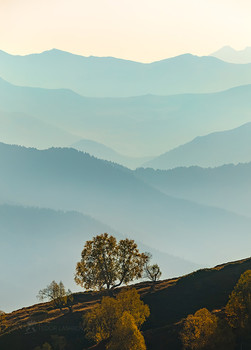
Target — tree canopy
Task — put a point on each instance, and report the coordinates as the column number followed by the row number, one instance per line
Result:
column 238, row 308
column 205, row 331
column 126, row 335
column 106, row 263
column 199, row 329
column 101, row 322
column 56, row 293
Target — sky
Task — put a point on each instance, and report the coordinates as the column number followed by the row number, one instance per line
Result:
column 140, row 30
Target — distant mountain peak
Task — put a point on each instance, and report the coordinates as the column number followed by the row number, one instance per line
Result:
column 229, row 54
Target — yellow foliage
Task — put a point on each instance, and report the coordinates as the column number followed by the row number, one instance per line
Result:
column 101, row 322
column 106, row 263
column 129, row 300
column 238, row 308
column 199, row 329
column 2, row 321
column 45, row 346
column 126, row 335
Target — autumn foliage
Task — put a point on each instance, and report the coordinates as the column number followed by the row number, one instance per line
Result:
column 238, row 308
column 106, row 263
column 126, row 335
column 199, row 329
column 2, row 321
column 204, row 330
column 116, row 316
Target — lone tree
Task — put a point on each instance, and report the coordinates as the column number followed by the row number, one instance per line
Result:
column 56, row 293
column 152, row 272
column 106, row 263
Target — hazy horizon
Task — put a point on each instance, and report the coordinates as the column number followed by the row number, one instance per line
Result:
column 163, row 28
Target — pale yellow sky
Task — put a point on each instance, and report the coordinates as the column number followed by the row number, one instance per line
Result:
column 141, row 30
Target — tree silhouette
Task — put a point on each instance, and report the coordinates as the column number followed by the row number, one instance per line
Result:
column 152, row 272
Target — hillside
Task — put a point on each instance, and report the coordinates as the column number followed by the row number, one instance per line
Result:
column 65, row 179
column 232, row 146
column 112, row 77
column 227, row 186
column 172, row 300
column 127, row 124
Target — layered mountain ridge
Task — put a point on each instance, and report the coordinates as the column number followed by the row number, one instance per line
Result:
column 66, row 179
column 126, row 124
column 112, row 77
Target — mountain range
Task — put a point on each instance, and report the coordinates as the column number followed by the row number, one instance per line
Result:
column 231, row 146
column 112, row 77
column 65, row 179
column 68, row 110
column 227, row 187
column 137, row 127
